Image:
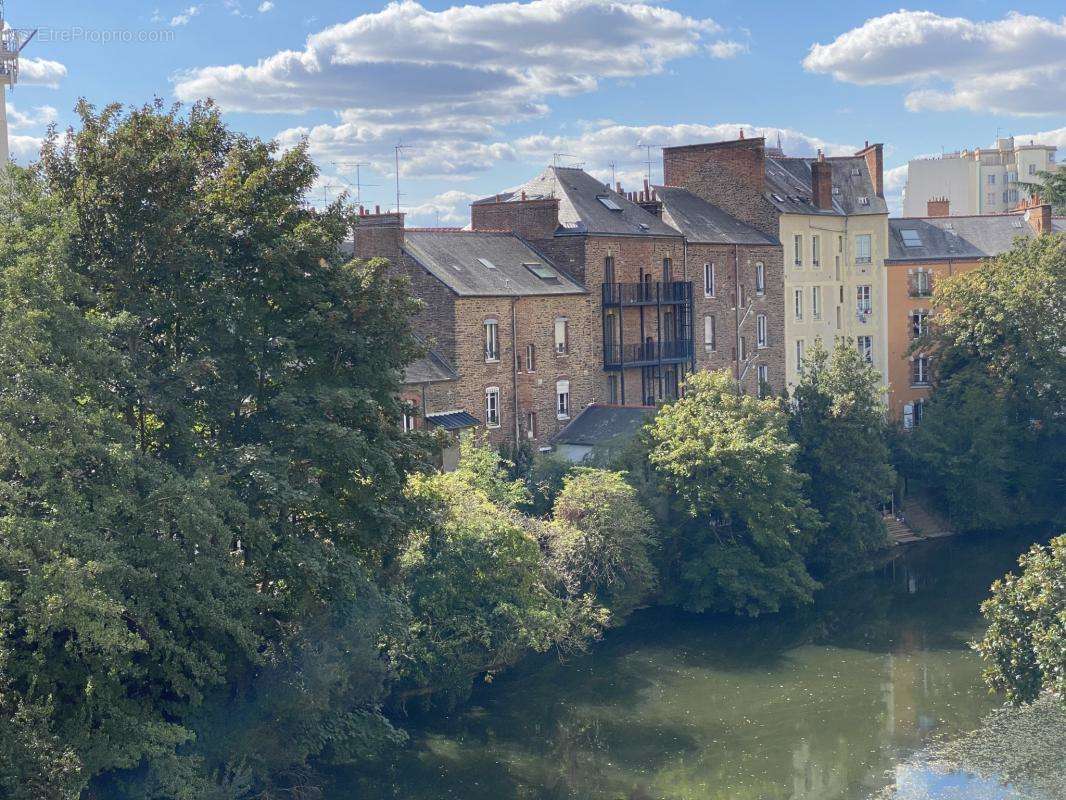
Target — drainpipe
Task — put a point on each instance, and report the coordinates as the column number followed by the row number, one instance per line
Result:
column 514, row 369
column 736, row 313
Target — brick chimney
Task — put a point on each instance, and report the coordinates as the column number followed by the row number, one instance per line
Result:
column 533, row 219
column 822, row 183
column 875, row 162
column 1039, row 217
column 378, row 235
column 938, row 207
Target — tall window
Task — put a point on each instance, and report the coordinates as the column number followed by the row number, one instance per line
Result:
column 863, row 248
column 799, row 304
column 919, row 323
column 920, row 371
column 710, row 284
column 562, row 399
column 562, row 335
column 608, row 269
column 816, row 250
column 668, row 270
column 612, row 389
column 492, row 340
column 799, row 355
column 742, row 296
column 992, row 180
column 921, row 283
column 863, row 305
column 531, row 357
column 760, row 278
column 816, row 302
column 760, row 331
column 797, row 247
column 492, row 407
column 710, row 340
column 866, row 348
column 408, row 420
column 531, row 425
column 742, row 350
column 764, row 381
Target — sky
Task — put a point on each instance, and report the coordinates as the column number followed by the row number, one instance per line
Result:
column 483, row 96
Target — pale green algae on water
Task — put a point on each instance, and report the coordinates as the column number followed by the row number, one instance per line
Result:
column 839, row 702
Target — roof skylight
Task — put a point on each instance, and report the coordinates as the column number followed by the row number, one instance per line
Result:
column 911, row 237
column 486, row 263
column 608, row 202
column 542, row 272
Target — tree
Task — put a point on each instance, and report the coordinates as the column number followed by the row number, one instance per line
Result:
column 599, row 542
column 738, row 522
column 200, row 472
column 838, row 421
column 1024, row 648
column 991, row 445
column 1050, row 189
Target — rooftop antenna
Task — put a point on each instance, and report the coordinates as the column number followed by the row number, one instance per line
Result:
column 557, row 156
column 647, row 162
column 614, row 174
column 358, row 185
column 399, row 146
column 12, row 42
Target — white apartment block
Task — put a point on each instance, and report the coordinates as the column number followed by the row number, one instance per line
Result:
column 979, row 181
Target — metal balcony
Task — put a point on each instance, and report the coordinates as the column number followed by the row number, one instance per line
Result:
column 647, row 293
column 647, row 354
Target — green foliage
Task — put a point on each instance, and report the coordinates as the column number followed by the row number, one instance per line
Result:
column 838, row 422
column 199, row 467
column 599, row 540
column 1051, row 189
column 1024, row 648
column 991, row 445
column 478, row 592
column 544, row 480
column 738, row 523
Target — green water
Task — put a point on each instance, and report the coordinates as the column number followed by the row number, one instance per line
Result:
column 826, row 704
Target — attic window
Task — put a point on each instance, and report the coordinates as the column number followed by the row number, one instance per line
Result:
column 542, row 272
column 778, row 198
column 864, row 201
column 608, row 202
column 644, row 226
column 486, row 263
column 911, row 237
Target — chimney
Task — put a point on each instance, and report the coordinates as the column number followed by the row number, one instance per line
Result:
column 378, row 235
column 1039, row 217
column 938, row 207
column 530, row 218
column 822, row 183
column 875, row 162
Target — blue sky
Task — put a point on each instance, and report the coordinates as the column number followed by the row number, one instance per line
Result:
column 485, row 94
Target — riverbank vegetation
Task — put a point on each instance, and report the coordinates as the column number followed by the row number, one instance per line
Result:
column 224, row 567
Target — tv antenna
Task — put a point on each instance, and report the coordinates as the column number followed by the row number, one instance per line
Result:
column 358, row 185
column 647, row 161
column 12, row 42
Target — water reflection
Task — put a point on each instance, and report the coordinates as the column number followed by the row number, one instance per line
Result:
column 817, row 705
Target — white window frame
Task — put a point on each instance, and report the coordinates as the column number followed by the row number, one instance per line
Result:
column 562, row 399
column 710, row 280
column 865, row 345
column 761, row 323
column 531, row 357
column 800, row 352
column 492, row 341
column 492, row 407
column 797, row 309
column 864, row 248
column 562, row 345
column 763, row 378
column 816, row 251
column 816, row 302
column 864, row 299
column 531, row 424
column 710, row 333
column 797, row 247
column 760, row 278
column 920, row 371
column 919, row 323
column 409, row 421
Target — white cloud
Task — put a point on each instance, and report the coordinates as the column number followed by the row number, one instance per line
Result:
column 184, row 17
column 1016, row 65
column 41, row 72
column 265, row 6
column 25, row 148
column 1056, row 137
column 448, row 209
column 37, row 117
column 726, row 49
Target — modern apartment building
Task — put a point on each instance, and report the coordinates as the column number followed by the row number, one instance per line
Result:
column 922, row 251
column 830, row 216
column 978, row 181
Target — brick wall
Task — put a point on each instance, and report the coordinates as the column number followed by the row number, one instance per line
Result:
column 530, row 219
column 378, row 236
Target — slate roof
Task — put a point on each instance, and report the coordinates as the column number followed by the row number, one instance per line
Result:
column 453, row 258
column 430, row 368
column 600, row 424
column 956, row 237
column 789, row 186
column 453, row 420
column 705, row 223
column 580, row 208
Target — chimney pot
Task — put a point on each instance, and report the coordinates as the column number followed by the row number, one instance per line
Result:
column 377, row 209
column 523, row 195
column 618, row 186
column 741, row 133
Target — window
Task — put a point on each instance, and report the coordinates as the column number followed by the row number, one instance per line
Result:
column 742, row 352
column 840, row 245
column 816, row 251
column 492, row 340
column 668, row 271
column 492, row 407
column 919, row 323
column 742, row 296
column 760, row 331
column 910, row 237
column 919, row 412
column 1032, row 169
column 486, row 263
column 612, row 389
column 760, row 278
column 531, row 357
column 863, row 247
column 531, row 425
column 797, row 242
column 920, row 371
column 709, row 282
column 608, row 202
column 866, row 348
column 799, row 355
column 863, row 305
column 562, row 399
column 408, row 420
column 1005, row 195
column 991, row 198
column 992, row 180
column 816, row 302
column 608, row 269
column 799, row 304
column 921, row 284
column 562, row 336
column 764, row 381
column 710, row 340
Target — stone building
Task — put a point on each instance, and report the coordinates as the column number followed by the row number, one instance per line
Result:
column 830, row 216
column 509, row 333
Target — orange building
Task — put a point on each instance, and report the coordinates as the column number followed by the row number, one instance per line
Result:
column 923, row 250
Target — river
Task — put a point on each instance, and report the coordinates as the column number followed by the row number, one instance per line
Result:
column 826, row 704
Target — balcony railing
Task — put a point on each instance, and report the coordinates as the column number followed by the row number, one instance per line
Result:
column 647, row 293
column 643, row 354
